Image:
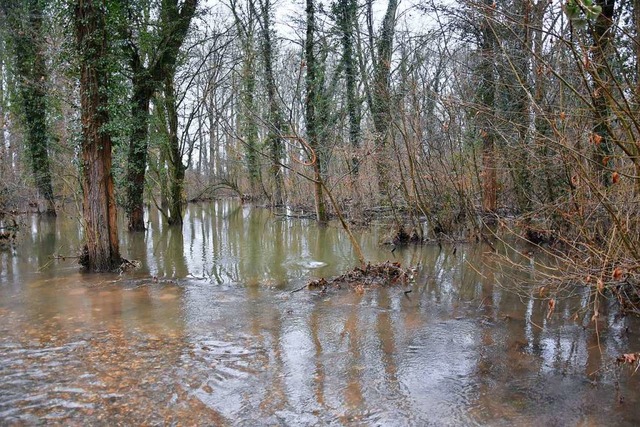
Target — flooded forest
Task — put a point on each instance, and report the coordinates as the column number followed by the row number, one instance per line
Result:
column 336, row 212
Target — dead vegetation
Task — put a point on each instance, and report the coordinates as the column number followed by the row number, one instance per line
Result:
column 371, row 276
column 632, row 360
column 8, row 231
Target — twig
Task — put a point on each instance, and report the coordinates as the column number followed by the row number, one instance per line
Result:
column 299, row 289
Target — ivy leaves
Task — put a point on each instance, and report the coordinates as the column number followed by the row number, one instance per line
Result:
column 581, row 11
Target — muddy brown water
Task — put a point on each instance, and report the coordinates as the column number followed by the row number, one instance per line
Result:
column 219, row 339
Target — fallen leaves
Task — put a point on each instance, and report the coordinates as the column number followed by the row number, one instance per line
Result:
column 630, row 359
column 615, row 177
column 617, row 273
column 371, row 276
column 596, row 139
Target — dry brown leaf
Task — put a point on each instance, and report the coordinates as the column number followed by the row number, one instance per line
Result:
column 617, row 273
column 552, row 306
column 615, row 177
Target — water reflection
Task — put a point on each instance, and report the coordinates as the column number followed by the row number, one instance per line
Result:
column 219, row 339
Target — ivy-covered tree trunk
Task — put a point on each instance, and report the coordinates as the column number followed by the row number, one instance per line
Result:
column 602, row 89
column 276, row 124
column 148, row 76
column 25, row 20
column 312, row 79
column 486, row 99
column 521, row 60
column 346, row 11
column 636, row 25
column 176, row 167
column 3, row 148
column 137, row 159
column 247, row 124
column 101, row 251
column 381, row 93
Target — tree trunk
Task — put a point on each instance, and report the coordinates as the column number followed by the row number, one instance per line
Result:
column 173, row 26
column 602, row 81
column 32, row 77
column 541, row 124
column 522, row 58
column 248, row 125
column 177, row 168
column 137, row 158
column 636, row 24
column 486, row 98
column 347, row 15
column 101, row 251
column 311, row 80
column 3, row 142
column 381, row 96
column 213, row 116
column 274, row 137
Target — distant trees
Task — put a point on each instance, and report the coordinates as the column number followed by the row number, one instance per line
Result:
column 522, row 108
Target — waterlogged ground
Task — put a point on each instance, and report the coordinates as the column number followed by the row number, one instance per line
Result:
column 207, row 332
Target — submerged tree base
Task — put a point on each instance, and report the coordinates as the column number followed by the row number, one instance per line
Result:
column 119, row 265
column 359, row 279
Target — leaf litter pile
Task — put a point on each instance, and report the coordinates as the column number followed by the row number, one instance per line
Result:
column 371, row 276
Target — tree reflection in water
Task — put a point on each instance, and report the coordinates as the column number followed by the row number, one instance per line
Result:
column 219, row 339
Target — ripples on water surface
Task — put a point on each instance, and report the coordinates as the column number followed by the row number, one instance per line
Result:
column 219, row 339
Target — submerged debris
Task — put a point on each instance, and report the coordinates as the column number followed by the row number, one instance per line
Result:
column 402, row 238
column 128, row 265
column 371, row 276
column 7, row 239
column 630, row 359
column 8, row 230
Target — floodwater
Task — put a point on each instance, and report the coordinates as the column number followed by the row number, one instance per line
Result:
column 208, row 332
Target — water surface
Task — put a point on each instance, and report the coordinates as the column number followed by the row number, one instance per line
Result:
column 208, row 332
